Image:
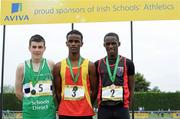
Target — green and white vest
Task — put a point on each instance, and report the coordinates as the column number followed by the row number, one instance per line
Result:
column 38, row 101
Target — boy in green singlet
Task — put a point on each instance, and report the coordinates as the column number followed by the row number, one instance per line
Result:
column 34, row 83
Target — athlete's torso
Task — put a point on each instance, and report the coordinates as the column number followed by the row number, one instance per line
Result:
column 113, row 93
column 38, row 101
column 75, row 96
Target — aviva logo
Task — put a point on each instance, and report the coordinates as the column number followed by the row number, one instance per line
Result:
column 16, row 8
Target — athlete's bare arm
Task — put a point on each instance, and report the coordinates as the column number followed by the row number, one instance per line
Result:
column 57, row 81
column 131, row 89
column 93, row 81
column 51, row 66
column 19, row 81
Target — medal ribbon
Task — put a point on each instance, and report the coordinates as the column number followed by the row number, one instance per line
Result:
column 75, row 79
column 35, row 80
column 112, row 78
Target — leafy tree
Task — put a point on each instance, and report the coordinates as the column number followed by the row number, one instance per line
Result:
column 178, row 91
column 8, row 89
column 141, row 85
column 156, row 89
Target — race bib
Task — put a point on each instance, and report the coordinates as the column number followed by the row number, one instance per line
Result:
column 73, row 92
column 114, row 93
column 42, row 88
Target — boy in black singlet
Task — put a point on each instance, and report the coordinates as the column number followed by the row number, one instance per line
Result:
column 116, row 81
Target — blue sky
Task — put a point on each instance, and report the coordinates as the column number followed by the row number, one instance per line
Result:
column 156, row 47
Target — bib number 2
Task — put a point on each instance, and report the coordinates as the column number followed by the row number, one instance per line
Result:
column 112, row 92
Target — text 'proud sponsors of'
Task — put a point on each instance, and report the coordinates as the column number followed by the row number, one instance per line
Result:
column 107, row 8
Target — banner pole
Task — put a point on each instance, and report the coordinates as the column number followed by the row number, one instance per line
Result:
column 132, row 60
column 72, row 26
column 2, row 72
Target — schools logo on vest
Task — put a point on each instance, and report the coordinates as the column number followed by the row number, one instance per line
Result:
column 16, row 9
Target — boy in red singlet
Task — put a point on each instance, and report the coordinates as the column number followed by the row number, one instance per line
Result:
column 75, row 81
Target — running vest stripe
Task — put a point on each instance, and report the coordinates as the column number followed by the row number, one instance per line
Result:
column 70, row 105
column 121, row 80
column 40, row 104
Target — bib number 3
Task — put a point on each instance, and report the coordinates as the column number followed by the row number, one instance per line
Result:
column 75, row 88
column 73, row 92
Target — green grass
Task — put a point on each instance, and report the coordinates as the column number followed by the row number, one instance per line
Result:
column 13, row 115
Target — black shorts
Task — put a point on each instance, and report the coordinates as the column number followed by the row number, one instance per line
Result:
column 75, row 117
column 113, row 112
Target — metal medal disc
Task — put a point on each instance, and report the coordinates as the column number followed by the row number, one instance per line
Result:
column 33, row 92
column 113, row 86
column 75, row 88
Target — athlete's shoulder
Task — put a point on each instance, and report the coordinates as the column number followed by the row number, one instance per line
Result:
column 64, row 60
column 50, row 63
column 20, row 69
column 98, row 61
column 58, row 64
column 91, row 64
column 86, row 61
column 20, row 66
column 128, row 61
column 130, row 66
column 101, row 59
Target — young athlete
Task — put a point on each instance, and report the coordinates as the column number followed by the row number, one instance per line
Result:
column 34, row 83
column 116, row 81
column 75, row 81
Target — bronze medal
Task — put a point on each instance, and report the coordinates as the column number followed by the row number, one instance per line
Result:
column 33, row 92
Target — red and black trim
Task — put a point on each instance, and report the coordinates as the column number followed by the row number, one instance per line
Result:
column 121, row 80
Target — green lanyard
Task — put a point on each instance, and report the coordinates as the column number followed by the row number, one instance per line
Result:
column 75, row 79
column 115, row 69
column 35, row 79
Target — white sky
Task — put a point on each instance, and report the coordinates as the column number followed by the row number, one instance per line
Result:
column 156, row 47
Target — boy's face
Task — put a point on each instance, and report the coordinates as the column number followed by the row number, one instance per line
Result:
column 111, row 44
column 37, row 49
column 74, row 43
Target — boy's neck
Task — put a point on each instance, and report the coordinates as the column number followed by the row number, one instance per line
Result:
column 74, row 57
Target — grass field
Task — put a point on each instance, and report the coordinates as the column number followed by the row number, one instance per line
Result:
column 137, row 115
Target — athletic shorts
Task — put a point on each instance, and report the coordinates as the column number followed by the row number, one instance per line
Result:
column 75, row 117
column 113, row 112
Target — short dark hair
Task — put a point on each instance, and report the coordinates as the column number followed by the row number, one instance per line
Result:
column 75, row 32
column 36, row 38
column 111, row 34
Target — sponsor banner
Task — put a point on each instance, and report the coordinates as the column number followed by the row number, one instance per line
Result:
column 72, row 11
